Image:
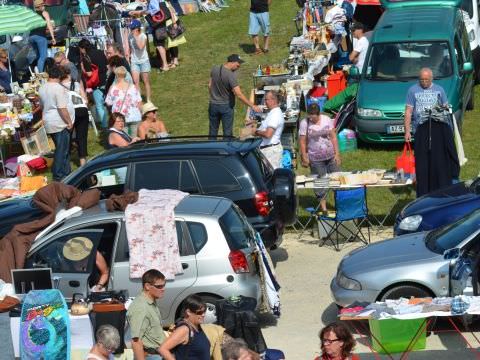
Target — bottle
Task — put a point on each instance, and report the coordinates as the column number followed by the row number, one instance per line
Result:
column 267, row 70
column 259, row 70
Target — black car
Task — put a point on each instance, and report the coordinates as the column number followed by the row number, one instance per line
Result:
column 229, row 168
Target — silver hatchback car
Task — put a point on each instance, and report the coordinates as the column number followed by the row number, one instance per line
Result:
column 419, row 264
column 216, row 243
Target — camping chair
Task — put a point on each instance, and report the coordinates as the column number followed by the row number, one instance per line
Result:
column 350, row 205
column 313, row 211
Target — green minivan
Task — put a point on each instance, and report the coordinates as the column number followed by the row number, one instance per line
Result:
column 411, row 35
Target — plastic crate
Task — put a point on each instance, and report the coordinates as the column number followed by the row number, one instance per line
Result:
column 396, row 335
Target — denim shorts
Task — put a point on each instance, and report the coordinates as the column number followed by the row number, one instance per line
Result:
column 143, row 67
column 259, row 21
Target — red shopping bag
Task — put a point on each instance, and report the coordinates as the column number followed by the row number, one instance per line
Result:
column 406, row 160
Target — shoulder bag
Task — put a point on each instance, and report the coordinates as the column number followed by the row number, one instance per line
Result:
column 175, row 31
column 93, row 80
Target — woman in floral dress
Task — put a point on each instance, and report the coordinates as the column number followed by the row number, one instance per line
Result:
column 123, row 97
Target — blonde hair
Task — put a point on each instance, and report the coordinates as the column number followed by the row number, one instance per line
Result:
column 3, row 52
column 120, row 71
column 59, row 54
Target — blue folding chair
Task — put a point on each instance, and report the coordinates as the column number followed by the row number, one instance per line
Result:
column 350, row 205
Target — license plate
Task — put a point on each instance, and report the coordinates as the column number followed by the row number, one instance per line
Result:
column 395, row 129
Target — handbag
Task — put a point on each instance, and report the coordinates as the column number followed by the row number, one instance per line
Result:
column 406, row 160
column 175, row 32
column 159, row 18
column 93, row 80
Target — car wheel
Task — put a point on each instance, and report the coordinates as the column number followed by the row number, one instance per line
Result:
column 471, row 101
column 405, row 291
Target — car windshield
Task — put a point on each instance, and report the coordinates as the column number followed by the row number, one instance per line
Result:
column 448, row 237
column 402, row 61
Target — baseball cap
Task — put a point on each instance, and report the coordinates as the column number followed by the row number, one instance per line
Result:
column 135, row 24
column 235, row 58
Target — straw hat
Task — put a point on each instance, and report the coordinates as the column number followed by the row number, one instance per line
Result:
column 147, row 107
column 77, row 248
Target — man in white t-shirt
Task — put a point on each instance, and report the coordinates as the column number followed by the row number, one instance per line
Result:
column 360, row 45
column 271, row 131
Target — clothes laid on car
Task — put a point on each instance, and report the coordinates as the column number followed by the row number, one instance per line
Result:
column 151, row 233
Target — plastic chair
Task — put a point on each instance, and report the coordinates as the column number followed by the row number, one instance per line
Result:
column 350, row 205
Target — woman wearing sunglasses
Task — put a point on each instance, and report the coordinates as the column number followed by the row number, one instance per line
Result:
column 337, row 343
column 188, row 341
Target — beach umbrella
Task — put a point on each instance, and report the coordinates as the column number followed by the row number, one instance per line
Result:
column 16, row 19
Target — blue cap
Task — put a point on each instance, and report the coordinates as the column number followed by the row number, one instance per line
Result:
column 135, row 24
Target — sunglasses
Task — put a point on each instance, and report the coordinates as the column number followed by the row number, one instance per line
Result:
column 200, row 312
column 329, row 341
column 159, row 287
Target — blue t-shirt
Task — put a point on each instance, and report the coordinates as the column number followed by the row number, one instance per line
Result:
column 420, row 99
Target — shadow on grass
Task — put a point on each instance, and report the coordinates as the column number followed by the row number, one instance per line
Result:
column 247, row 48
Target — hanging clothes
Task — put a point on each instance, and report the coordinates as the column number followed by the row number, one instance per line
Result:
column 152, row 234
column 436, row 165
column 269, row 284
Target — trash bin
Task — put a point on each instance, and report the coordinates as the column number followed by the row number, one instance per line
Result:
column 396, row 335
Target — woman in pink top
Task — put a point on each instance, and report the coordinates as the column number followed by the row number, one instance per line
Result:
column 319, row 146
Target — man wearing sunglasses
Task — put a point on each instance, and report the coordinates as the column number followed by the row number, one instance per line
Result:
column 145, row 319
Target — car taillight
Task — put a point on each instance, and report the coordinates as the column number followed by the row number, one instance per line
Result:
column 238, row 261
column 262, row 203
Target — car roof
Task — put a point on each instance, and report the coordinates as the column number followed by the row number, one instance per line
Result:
column 420, row 23
column 190, row 205
column 164, row 148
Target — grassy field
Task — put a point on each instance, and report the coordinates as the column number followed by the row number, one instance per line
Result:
column 182, row 94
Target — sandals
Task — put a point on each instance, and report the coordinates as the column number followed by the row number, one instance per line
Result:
column 258, row 51
column 266, row 50
column 165, row 69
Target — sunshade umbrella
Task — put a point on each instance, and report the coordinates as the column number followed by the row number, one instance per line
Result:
column 15, row 19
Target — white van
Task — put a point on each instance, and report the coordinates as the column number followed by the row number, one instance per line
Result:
column 471, row 10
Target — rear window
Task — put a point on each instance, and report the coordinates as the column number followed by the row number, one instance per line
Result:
column 215, row 178
column 237, row 230
column 258, row 163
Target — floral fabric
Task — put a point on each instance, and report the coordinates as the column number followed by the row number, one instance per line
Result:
column 152, row 234
column 125, row 104
column 319, row 144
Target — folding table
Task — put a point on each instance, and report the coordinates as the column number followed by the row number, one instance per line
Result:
column 373, row 220
column 360, row 327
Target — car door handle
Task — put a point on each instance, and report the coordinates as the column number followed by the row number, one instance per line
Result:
column 184, row 266
column 74, row 283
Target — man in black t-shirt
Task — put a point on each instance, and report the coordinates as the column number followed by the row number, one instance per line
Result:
column 259, row 20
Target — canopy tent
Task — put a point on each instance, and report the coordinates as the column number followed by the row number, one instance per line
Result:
column 16, row 19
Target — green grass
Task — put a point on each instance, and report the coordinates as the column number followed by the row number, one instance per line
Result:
column 182, row 94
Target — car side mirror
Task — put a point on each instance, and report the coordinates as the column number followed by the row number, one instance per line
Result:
column 467, row 68
column 354, row 73
column 450, row 254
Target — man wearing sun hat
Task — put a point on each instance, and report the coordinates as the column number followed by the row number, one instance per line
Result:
column 151, row 126
column 224, row 88
column 78, row 250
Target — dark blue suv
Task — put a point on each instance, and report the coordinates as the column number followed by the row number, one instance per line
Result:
column 233, row 169
column 439, row 208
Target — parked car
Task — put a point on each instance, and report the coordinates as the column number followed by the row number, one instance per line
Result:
column 233, row 169
column 441, row 207
column 406, row 38
column 215, row 240
column 417, row 264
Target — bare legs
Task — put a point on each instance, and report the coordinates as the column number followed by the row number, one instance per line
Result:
column 146, row 82
column 163, row 56
column 266, row 41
